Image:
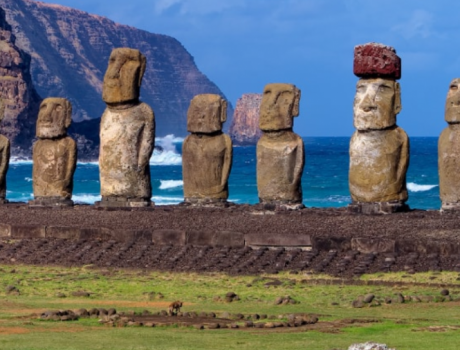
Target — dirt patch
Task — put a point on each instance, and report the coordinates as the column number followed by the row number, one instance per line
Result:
column 121, row 303
column 13, row 330
column 437, row 329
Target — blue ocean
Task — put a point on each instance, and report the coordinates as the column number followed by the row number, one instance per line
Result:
column 324, row 181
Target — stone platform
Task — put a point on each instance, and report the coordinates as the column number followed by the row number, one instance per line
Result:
column 239, row 239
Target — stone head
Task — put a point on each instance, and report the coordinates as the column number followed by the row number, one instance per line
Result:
column 377, row 102
column 122, row 80
column 54, row 117
column 452, row 111
column 280, row 103
column 206, row 113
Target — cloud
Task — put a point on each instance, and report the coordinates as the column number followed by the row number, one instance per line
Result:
column 419, row 25
column 163, row 5
column 197, row 7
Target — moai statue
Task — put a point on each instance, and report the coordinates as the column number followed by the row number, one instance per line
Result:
column 379, row 149
column 280, row 151
column 127, row 134
column 4, row 158
column 449, row 151
column 207, row 152
column 54, row 155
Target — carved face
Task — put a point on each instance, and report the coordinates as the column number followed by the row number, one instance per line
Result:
column 452, row 112
column 122, row 80
column 280, row 103
column 54, row 118
column 377, row 102
column 206, row 113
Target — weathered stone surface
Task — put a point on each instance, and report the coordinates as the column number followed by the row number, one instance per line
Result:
column 244, row 129
column 376, row 60
column 127, row 133
column 54, row 154
column 280, row 152
column 277, row 240
column 449, row 151
column 169, row 237
column 216, row 239
column 19, row 99
column 373, row 245
column 280, row 103
column 379, row 149
column 123, row 77
column 70, row 50
column 5, row 230
column 280, row 162
column 207, row 152
column 27, row 231
column 376, row 104
column 378, row 164
column 452, row 108
column 206, row 114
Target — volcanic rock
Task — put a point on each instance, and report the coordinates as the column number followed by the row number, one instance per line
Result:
column 376, row 60
column 17, row 92
column 244, row 129
column 280, row 152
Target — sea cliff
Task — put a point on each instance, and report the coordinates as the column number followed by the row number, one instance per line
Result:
column 70, row 50
column 244, row 128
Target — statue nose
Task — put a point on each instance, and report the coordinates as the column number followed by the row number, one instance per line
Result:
column 368, row 103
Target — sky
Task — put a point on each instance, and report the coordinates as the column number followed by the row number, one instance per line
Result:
column 242, row 45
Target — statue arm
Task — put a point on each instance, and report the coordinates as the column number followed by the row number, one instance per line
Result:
column 299, row 162
column 228, row 157
column 403, row 160
column 147, row 142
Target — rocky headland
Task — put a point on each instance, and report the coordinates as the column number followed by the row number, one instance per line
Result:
column 20, row 100
column 244, row 128
column 69, row 51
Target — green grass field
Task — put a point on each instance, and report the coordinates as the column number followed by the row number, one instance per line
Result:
column 410, row 325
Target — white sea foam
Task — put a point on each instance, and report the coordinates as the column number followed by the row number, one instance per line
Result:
column 19, row 197
column 169, row 139
column 167, row 184
column 28, row 179
column 166, row 157
column 20, row 161
column 161, row 200
column 413, row 187
column 85, row 198
column 339, row 199
column 88, row 163
column 169, row 154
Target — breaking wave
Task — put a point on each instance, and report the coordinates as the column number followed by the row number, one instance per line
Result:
column 167, row 184
column 85, row 198
column 20, row 160
column 167, row 154
column 413, row 187
column 161, row 200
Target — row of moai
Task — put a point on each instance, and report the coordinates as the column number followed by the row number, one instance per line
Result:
column 379, row 149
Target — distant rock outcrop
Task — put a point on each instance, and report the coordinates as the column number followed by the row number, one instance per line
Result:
column 70, row 50
column 244, row 128
column 17, row 92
